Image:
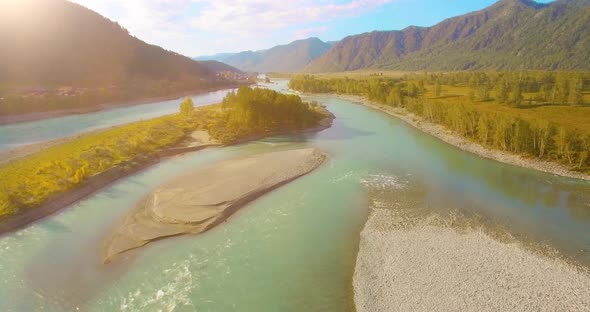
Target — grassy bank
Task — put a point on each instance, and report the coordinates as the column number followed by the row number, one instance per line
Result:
column 29, row 181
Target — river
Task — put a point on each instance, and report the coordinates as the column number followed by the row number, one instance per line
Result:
column 12, row 135
column 293, row 249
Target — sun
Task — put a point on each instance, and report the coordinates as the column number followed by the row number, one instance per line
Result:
column 11, row 7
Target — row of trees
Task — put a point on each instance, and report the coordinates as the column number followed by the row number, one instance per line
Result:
column 496, row 129
column 538, row 138
column 515, row 89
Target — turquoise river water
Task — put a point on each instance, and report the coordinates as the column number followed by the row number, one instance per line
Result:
column 13, row 135
column 291, row 250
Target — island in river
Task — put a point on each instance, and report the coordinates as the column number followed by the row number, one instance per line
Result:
column 99, row 159
column 205, row 197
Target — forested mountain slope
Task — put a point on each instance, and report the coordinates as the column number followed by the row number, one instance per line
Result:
column 283, row 58
column 56, row 42
column 509, row 35
column 217, row 66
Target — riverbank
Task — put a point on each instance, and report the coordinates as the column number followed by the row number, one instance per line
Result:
column 198, row 140
column 96, row 183
column 15, row 153
column 464, row 144
column 422, row 263
column 5, row 120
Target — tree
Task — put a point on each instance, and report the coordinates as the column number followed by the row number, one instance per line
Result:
column 187, row 107
column 502, row 96
column 412, row 90
column 563, row 91
column 565, row 141
column 516, row 99
column 483, row 130
column 484, row 91
column 542, row 132
column 395, row 97
column 577, row 95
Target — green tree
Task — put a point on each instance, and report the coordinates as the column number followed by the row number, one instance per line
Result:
column 502, row 96
column 412, row 90
column 563, row 91
column 484, row 91
column 395, row 97
column 187, row 107
column 576, row 94
column 516, row 99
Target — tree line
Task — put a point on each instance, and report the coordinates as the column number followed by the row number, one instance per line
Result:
column 424, row 95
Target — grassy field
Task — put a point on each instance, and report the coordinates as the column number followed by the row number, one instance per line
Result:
column 577, row 116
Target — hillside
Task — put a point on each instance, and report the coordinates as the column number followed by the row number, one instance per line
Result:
column 283, row 58
column 217, row 67
column 509, row 35
column 56, row 42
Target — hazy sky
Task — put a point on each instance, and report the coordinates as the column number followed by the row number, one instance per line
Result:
column 201, row 27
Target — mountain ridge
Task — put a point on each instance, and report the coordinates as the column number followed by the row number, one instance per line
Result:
column 57, row 42
column 501, row 36
column 281, row 58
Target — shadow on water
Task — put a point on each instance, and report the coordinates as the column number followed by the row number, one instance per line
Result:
column 534, row 204
column 70, row 278
column 415, row 200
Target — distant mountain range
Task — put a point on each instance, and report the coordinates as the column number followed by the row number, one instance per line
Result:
column 283, row 58
column 509, row 35
column 56, row 42
column 217, row 67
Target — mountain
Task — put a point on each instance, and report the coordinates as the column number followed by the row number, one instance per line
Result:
column 217, row 67
column 56, row 42
column 215, row 57
column 509, row 35
column 283, row 58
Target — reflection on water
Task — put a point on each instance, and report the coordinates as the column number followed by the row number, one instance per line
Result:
column 293, row 249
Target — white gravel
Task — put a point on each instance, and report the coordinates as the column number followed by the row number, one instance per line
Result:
column 427, row 266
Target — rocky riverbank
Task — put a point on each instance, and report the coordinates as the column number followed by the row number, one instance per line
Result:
column 408, row 263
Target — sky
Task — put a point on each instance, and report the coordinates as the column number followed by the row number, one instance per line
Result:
column 202, row 27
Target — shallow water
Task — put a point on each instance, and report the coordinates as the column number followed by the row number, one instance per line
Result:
column 293, row 249
column 13, row 135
